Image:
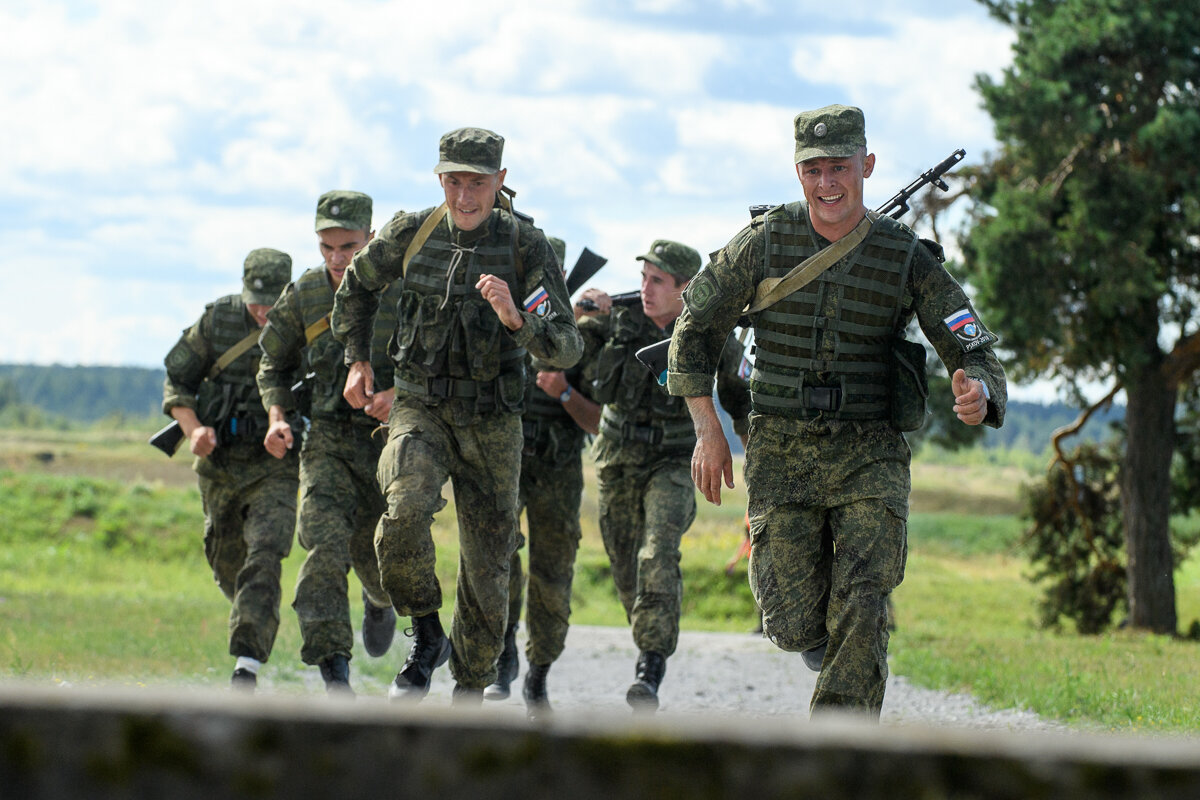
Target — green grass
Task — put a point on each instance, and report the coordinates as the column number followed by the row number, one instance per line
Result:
column 103, row 579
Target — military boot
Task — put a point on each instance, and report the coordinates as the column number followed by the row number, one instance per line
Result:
column 815, row 656
column 335, row 670
column 244, row 680
column 537, row 702
column 507, row 667
column 430, row 649
column 643, row 694
column 464, row 697
column 378, row 627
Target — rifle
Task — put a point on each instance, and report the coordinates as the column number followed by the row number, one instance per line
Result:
column 587, row 265
column 654, row 357
column 169, row 438
column 622, row 299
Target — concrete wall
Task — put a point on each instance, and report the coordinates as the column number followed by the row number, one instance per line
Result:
column 127, row 743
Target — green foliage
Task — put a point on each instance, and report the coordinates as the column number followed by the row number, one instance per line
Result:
column 1076, row 540
column 84, row 393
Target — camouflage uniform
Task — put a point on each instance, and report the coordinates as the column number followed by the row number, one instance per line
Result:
column 340, row 500
column 643, row 459
column 827, row 464
column 460, row 382
column 249, row 496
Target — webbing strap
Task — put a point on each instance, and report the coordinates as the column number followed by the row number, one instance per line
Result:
column 316, row 329
column 772, row 290
column 422, row 236
column 231, row 355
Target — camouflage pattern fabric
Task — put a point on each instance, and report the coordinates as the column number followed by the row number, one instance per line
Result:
column 550, row 493
column 644, row 512
column 426, row 448
column 828, row 501
column 340, row 505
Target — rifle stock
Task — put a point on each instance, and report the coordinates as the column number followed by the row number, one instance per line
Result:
column 587, row 265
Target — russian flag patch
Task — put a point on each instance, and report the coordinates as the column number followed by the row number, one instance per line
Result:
column 967, row 330
column 538, row 303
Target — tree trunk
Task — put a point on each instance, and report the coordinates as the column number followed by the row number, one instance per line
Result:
column 1146, row 501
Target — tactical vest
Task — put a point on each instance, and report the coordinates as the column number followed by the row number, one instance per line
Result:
column 449, row 342
column 326, row 355
column 549, row 429
column 827, row 348
column 231, row 403
column 636, row 408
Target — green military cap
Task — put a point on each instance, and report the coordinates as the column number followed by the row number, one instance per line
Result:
column 344, row 209
column 559, row 247
column 470, row 150
column 673, row 258
column 264, row 275
column 830, row 132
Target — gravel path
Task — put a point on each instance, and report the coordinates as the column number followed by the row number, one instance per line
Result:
column 718, row 673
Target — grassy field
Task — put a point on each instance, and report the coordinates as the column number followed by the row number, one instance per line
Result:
column 102, row 579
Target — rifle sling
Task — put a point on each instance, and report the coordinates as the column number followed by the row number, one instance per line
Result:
column 231, row 355
column 772, row 290
column 316, row 329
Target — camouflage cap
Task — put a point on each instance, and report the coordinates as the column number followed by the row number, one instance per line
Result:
column 470, row 150
column 559, row 247
column 829, row 132
column 673, row 258
column 264, row 275
column 344, row 209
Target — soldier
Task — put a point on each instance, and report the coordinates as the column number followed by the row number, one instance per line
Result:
column 647, row 501
column 559, row 413
column 827, row 467
column 249, row 498
column 459, row 350
column 340, row 500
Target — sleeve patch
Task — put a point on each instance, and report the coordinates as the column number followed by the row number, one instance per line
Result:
column 967, row 330
column 702, row 295
column 538, row 303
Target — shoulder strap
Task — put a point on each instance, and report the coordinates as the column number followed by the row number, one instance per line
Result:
column 418, row 241
column 772, row 290
column 231, row 355
column 316, row 329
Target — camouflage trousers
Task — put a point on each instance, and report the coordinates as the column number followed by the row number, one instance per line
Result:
column 550, row 493
column 644, row 512
column 249, row 519
column 482, row 462
column 828, row 504
column 340, row 505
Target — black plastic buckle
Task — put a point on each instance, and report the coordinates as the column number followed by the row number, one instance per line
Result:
column 438, row 387
column 823, row 398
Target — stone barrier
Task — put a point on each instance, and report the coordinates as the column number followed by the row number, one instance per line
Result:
column 129, row 743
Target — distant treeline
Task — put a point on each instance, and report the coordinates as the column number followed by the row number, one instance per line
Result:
column 89, row 394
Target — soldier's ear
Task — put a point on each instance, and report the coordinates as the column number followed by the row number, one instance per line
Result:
column 868, row 165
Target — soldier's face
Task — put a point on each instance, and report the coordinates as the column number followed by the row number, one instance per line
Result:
column 662, row 297
column 338, row 246
column 470, row 196
column 833, row 188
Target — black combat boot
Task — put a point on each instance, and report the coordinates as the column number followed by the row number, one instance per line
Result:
column 464, row 697
column 430, row 649
column 507, row 667
column 336, row 672
column 244, row 680
column 815, row 656
column 537, row 702
column 643, row 694
column 378, row 627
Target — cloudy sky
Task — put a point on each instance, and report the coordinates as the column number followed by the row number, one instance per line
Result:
column 149, row 146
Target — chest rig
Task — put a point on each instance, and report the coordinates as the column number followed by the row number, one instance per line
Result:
column 826, row 349
column 326, row 356
column 230, row 402
column 636, row 408
column 449, row 343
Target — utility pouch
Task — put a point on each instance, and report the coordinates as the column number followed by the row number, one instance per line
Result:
column 910, row 387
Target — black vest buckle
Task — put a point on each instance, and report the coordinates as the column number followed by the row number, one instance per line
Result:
column 822, row 398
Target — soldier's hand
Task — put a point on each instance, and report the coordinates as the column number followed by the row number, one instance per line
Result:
column 496, row 292
column 203, row 441
column 360, row 384
column 552, row 383
column 970, row 403
column 279, row 438
column 380, row 406
column 596, row 297
column 712, row 461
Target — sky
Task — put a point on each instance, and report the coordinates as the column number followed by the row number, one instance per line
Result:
column 150, row 146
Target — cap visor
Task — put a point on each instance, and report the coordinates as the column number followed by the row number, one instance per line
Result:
column 827, row 152
column 453, row 166
column 259, row 298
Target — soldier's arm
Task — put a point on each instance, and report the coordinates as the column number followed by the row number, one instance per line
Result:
column 356, row 301
column 548, row 330
column 187, row 365
column 960, row 338
column 282, row 342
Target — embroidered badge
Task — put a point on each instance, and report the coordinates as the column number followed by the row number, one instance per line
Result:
column 538, row 303
column 967, row 330
column 745, row 368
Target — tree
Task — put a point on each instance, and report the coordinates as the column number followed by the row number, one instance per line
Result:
column 1083, row 232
